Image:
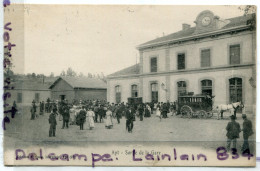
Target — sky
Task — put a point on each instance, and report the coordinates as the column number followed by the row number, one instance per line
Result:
column 91, row 38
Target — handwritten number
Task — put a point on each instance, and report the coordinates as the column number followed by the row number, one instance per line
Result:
column 234, row 153
column 247, row 153
column 222, row 155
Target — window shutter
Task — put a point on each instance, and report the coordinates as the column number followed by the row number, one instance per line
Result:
column 205, row 58
column 181, row 61
column 235, row 54
column 153, row 64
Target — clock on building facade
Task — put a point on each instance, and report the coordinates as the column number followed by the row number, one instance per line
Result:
column 206, row 21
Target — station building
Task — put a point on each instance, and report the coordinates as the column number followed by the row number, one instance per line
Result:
column 216, row 57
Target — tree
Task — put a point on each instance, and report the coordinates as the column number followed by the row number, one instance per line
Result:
column 81, row 74
column 248, row 9
column 63, row 73
column 51, row 75
column 89, row 75
column 71, row 73
column 102, row 75
column 33, row 75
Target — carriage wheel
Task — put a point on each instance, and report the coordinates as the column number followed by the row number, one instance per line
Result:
column 186, row 111
column 209, row 114
column 202, row 114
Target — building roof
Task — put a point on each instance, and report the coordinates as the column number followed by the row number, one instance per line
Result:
column 230, row 23
column 30, row 85
column 134, row 69
column 233, row 22
column 82, row 82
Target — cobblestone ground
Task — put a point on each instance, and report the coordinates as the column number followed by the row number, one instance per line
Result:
column 209, row 132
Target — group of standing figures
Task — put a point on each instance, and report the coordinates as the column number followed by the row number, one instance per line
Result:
column 95, row 112
column 91, row 112
column 233, row 131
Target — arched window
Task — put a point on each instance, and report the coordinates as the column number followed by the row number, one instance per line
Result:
column 118, row 94
column 235, row 90
column 134, row 90
column 181, row 88
column 154, row 92
column 206, row 87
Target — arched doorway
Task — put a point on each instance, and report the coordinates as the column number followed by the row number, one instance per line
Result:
column 118, row 94
column 206, row 87
column 154, row 92
column 182, row 86
column 235, row 90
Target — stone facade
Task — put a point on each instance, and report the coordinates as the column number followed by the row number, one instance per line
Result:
column 215, row 36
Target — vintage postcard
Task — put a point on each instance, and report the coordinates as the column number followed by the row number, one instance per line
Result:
column 129, row 85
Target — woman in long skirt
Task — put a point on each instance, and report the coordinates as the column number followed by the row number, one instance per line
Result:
column 91, row 116
column 158, row 113
column 109, row 123
column 147, row 111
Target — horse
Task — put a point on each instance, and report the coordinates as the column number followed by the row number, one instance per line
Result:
column 228, row 107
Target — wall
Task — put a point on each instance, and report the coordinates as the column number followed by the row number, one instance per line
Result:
column 125, row 88
column 220, row 89
column 160, row 54
column 62, row 88
column 147, row 88
column 219, row 52
column 91, row 94
column 27, row 96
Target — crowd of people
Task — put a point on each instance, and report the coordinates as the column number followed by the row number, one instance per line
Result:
column 91, row 112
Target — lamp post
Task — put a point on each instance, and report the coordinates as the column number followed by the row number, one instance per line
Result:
column 252, row 82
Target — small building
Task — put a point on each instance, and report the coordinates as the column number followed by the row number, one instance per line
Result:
column 25, row 91
column 75, row 88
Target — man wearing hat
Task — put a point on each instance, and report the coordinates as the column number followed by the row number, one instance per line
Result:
column 53, row 123
column 129, row 119
column 233, row 130
column 65, row 116
column 247, row 131
column 33, row 110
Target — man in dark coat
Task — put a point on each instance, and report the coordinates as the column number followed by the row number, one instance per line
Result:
column 33, row 110
column 129, row 119
column 101, row 113
column 48, row 105
column 122, row 109
column 141, row 112
column 82, row 118
column 118, row 113
column 41, row 108
column 13, row 110
column 164, row 110
column 53, row 123
column 247, row 131
column 96, row 109
column 66, row 116
column 233, row 130
column 168, row 106
column 152, row 107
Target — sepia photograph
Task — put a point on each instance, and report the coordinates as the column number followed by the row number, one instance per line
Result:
column 129, row 85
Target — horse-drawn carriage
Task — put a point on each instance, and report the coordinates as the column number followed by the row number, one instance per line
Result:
column 190, row 105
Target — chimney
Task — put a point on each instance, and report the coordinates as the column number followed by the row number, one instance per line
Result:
column 185, row 26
